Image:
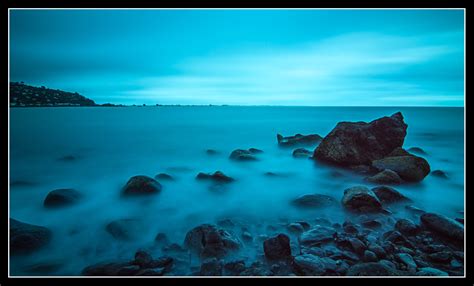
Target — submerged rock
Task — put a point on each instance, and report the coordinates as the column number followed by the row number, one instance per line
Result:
column 410, row 168
column 124, row 229
column 313, row 201
column 439, row 174
column 209, row 241
column 242, row 155
column 302, row 153
column 298, row 140
column 26, row 238
column 371, row 269
column 141, row 185
column 218, row 176
column 277, row 247
column 389, row 195
column 164, row 176
column 386, row 176
column 359, row 143
column 61, row 197
column 443, row 225
column 255, row 151
column 417, row 150
column 211, row 152
column 361, row 199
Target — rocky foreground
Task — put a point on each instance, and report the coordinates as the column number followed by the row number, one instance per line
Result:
column 372, row 243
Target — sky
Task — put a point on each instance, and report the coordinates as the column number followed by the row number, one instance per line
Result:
column 244, row 57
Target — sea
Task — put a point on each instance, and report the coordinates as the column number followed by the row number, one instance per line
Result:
column 108, row 145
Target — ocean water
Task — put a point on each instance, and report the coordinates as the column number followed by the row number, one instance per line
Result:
column 113, row 144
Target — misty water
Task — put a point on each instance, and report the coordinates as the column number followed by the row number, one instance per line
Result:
column 113, row 144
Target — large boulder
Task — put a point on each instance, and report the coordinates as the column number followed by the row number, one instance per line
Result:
column 298, row 140
column 359, row 143
column 208, row 240
column 410, row 168
column 443, row 225
column 61, row 197
column 141, row 185
column 26, row 238
column 277, row 247
column 313, row 201
column 361, row 199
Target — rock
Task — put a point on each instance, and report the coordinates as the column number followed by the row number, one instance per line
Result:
column 295, row 228
column 302, row 153
column 255, row 151
column 371, row 224
column 394, row 237
column 389, row 195
column 349, row 227
column 104, row 269
column 415, row 210
column 441, row 257
column 312, row 265
column 406, row 259
column 357, row 245
column 361, row 199
column 359, row 143
column 429, row 271
column 313, row 201
column 409, row 168
column 317, row 236
column 277, row 247
column 234, row 268
column 211, row 152
column 61, row 198
column 129, row 270
column 370, row 256
column 164, row 177
column 256, row 269
column 385, row 177
column 211, row 267
column 439, row 174
column 371, row 269
column 406, row 227
column 298, row 140
column 26, row 238
column 377, row 249
column 417, row 150
column 209, row 241
column 443, row 225
column 399, row 151
column 124, row 229
column 218, row 176
column 141, row 185
column 143, row 259
column 161, row 239
column 242, row 155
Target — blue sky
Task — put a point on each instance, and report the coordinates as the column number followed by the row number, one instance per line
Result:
column 244, row 57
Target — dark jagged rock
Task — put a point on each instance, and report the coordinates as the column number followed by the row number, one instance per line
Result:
column 389, row 195
column 61, row 197
column 277, row 247
column 409, row 168
column 417, row 150
column 385, row 177
column 141, row 185
column 439, row 174
column 164, row 177
column 218, row 176
column 371, row 269
column 360, row 143
column 443, row 225
column 314, row 201
column 209, row 241
column 298, row 140
column 361, row 199
column 26, row 238
column 302, row 153
column 406, row 227
column 124, row 229
column 242, row 155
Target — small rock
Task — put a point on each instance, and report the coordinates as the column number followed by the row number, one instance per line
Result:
column 441, row 257
column 298, row 140
column 211, row 152
column 313, row 201
column 439, row 174
column 277, row 247
column 209, row 241
column 389, row 195
column 161, row 239
column 371, row 269
column 26, row 238
column 143, row 259
column 141, row 185
column 361, row 199
column 406, row 259
column 385, row 177
column 406, row 227
column 430, row 271
column 370, row 256
column 302, row 153
column 218, row 176
column 234, row 268
column 211, row 267
column 295, row 228
column 62, row 197
column 242, row 155
column 317, row 235
column 372, row 224
column 164, row 177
